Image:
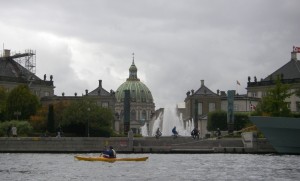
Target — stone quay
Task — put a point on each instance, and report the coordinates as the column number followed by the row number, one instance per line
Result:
column 246, row 144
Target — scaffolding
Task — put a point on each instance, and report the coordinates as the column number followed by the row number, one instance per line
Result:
column 27, row 60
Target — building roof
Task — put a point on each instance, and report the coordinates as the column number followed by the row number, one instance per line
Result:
column 139, row 92
column 204, row 91
column 290, row 70
column 11, row 70
column 99, row 91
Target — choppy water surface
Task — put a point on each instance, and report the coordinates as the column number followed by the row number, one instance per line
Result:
column 157, row 167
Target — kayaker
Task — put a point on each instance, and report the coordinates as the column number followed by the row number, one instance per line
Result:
column 111, row 153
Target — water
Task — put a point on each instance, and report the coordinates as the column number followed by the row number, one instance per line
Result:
column 175, row 167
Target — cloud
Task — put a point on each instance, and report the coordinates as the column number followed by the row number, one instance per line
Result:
column 176, row 43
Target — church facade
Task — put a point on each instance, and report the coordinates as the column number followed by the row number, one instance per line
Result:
column 142, row 105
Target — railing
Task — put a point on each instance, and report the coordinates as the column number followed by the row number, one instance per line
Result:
column 273, row 82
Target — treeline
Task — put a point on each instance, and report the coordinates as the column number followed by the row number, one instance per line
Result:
column 82, row 117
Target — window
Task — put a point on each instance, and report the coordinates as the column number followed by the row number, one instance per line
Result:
column 211, row 106
column 104, row 104
column 236, row 107
column 122, row 115
column 298, row 106
column 200, row 108
column 143, row 96
column 133, row 115
column 289, row 105
column 133, row 96
column 37, row 93
column 254, row 94
column 47, row 93
column 144, row 115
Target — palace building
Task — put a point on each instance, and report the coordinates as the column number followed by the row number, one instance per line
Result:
column 19, row 69
column 289, row 73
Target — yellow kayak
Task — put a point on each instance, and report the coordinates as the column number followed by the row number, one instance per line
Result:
column 85, row 158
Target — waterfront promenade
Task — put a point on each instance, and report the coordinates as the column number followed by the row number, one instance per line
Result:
column 132, row 145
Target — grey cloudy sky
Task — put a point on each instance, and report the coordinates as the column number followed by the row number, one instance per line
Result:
column 176, row 43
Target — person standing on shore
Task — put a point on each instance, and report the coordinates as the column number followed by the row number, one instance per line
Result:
column 218, row 133
column 14, row 131
column 158, row 133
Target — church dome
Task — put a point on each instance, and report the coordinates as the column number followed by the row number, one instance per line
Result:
column 139, row 92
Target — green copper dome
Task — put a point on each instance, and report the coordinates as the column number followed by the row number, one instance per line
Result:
column 139, row 92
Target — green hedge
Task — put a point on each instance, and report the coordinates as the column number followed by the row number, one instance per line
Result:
column 218, row 119
column 23, row 127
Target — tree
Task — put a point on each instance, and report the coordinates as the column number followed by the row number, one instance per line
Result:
column 273, row 104
column 50, row 120
column 241, row 121
column 39, row 120
column 217, row 119
column 59, row 109
column 85, row 116
column 21, row 103
column 3, row 97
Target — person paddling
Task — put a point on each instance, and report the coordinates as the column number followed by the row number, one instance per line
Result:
column 111, row 153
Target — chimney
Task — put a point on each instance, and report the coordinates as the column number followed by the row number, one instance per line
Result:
column 6, row 53
column 202, row 83
column 86, row 92
column 100, row 83
column 294, row 56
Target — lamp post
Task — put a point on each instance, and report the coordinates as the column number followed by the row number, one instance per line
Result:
column 88, row 122
column 17, row 113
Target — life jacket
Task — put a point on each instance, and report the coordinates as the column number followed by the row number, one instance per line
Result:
column 114, row 155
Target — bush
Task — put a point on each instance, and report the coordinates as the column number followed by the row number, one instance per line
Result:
column 217, row 119
column 23, row 127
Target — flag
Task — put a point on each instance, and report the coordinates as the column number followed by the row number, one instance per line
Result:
column 252, row 107
column 238, row 83
column 296, row 49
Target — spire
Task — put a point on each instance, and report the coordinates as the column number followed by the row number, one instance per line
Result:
column 132, row 70
column 133, row 58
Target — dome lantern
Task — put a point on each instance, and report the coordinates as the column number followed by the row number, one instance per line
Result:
column 133, row 70
column 139, row 92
